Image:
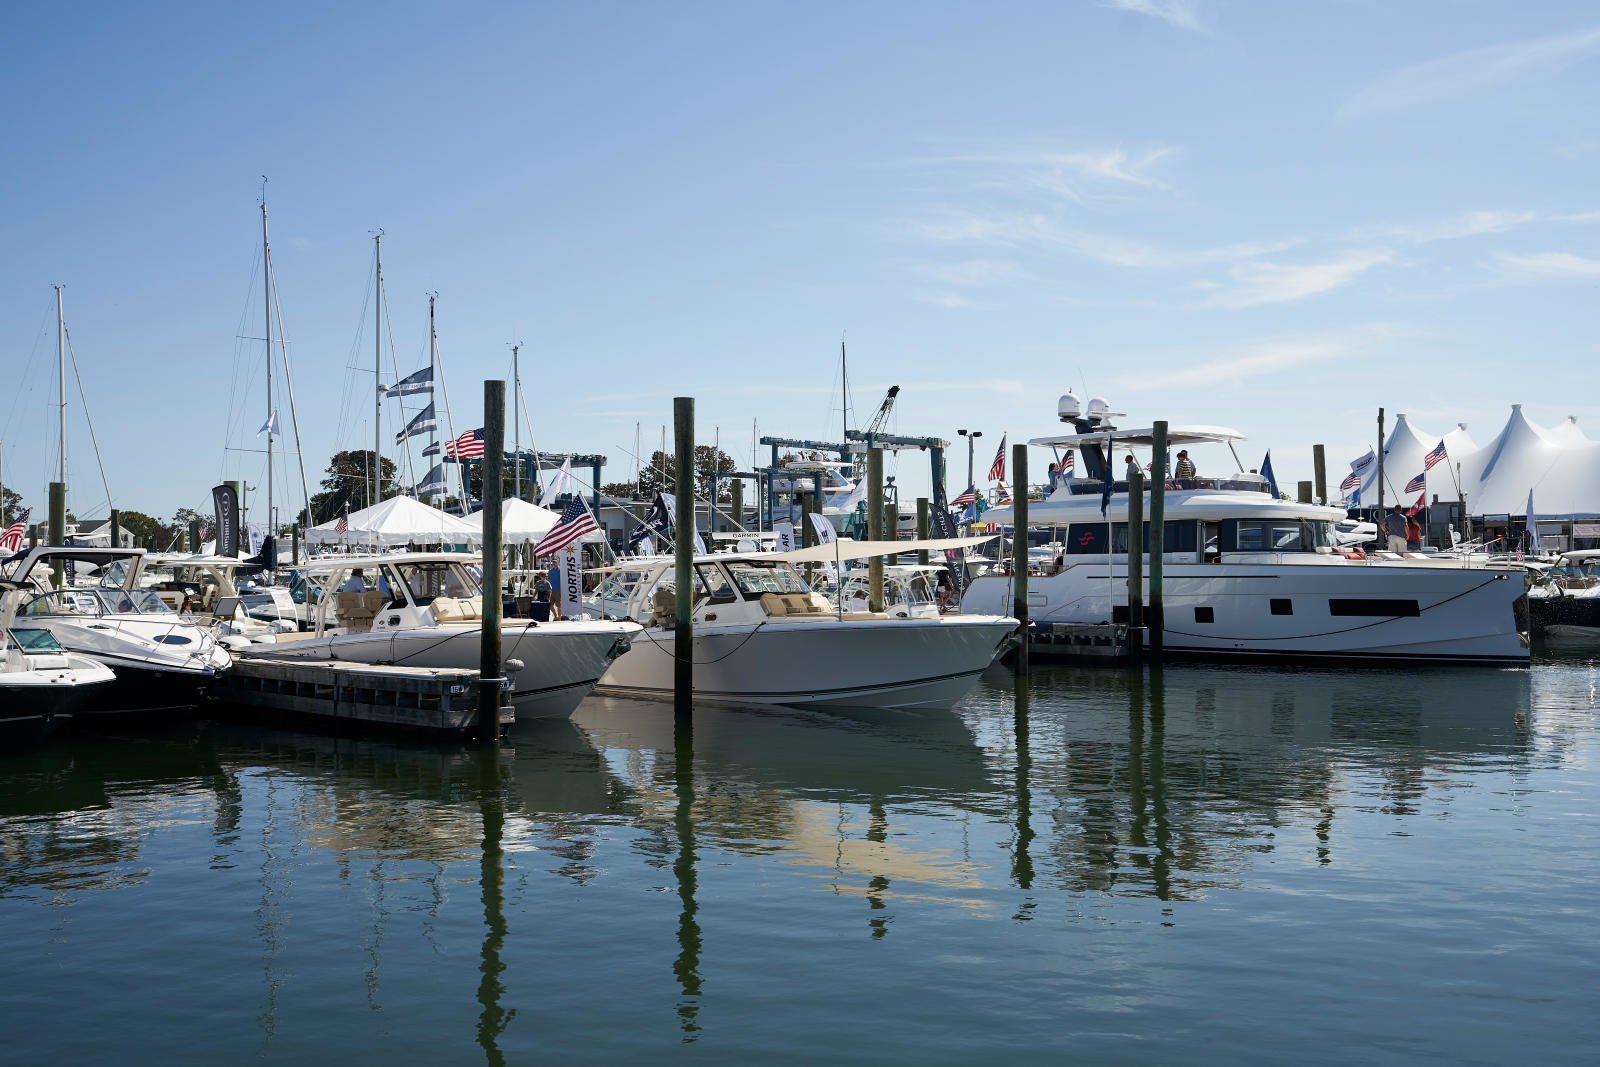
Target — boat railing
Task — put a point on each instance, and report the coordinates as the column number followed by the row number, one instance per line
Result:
column 1236, row 483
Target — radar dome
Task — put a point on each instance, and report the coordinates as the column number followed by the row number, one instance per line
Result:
column 1099, row 409
column 1069, row 407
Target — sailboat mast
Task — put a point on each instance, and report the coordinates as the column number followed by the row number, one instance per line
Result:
column 516, row 421
column 61, row 386
column 844, row 393
column 266, row 303
column 433, row 374
column 377, row 367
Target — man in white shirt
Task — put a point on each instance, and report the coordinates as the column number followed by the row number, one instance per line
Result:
column 355, row 583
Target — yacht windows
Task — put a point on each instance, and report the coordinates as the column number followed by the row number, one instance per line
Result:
column 1282, row 606
column 1089, row 538
column 1274, row 535
column 1205, row 615
column 433, row 579
column 754, row 578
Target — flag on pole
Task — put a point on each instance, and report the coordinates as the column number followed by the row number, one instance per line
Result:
column 420, row 382
column 271, row 425
column 204, row 531
column 1266, row 472
column 575, row 522
column 435, row 482
column 1351, row 481
column 1360, row 465
column 1531, row 522
column 1422, row 502
column 431, row 450
column 11, row 539
column 1417, row 484
column 562, row 484
column 1105, row 479
column 343, row 525
column 1435, row 456
column 1066, row 463
column 965, row 498
column 468, row 446
column 997, row 469
column 655, row 524
column 423, row 422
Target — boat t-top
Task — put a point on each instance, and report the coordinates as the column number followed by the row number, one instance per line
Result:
column 1247, row 573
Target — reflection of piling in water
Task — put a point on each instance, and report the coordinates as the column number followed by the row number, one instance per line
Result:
column 687, row 965
column 1022, row 857
column 493, row 1016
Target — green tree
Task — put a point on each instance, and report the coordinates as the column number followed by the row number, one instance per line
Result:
column 10, row 505
column 660, row 475
column 146, row 531
column 349, row 474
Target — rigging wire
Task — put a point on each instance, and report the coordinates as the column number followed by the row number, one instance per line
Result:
column 294, row 414
column 84, row 400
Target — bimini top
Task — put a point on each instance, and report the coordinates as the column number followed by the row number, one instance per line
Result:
column 338, row 563
column 1176, row 435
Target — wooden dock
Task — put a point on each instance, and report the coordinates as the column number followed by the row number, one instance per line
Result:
column 1065, row 642
column 417, row 699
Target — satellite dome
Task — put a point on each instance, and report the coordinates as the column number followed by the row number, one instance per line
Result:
column 1069, row 407
column 1099, row 409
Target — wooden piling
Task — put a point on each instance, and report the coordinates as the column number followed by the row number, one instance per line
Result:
column 1381, row 541
column 194, row 536
column 1155, row 617
column 1319, row 464
column 1135, row 552
column 922, row 528
column 489, row 670
column 58, row 523
column 683, row 554
column 1305, row 492
column 1019, row 549
column 875, row 527
column 736, row 505
column 112, row 526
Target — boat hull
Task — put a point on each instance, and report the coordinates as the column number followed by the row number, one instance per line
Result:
column 1389, row 613
column 820, row 662
column 140, row 690
column 561, row 661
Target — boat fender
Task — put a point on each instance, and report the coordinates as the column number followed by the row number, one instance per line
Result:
column 1353, row 553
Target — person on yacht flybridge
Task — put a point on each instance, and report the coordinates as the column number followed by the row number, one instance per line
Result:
column 1185, row 467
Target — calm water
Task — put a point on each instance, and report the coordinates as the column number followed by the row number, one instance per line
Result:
column 1210, row 866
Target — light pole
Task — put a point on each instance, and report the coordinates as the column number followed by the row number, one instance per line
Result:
column 971, row 436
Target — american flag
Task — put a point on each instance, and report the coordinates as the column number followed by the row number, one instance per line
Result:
column 965, row 498
column 343, row 525
column 1066, row 462
column 1417, row 484
column 1350, row 482
column 204, row 531
column 11, row 539
column 1435, row 456
column 575, row 522
column 997, row 469
column 468, row 446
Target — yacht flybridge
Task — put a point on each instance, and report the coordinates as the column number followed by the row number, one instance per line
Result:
column 424, row 609
column 761, row 636
column 1248, row 574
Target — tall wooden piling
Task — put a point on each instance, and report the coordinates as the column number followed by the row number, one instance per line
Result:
column 1155, row 617
column 1319, row 465
column 1381, row 516
column 1304, row 495
column 683, row 555
column 489, row 669
column 1019, row 549
column 1135, row 555
column 112, row 527
column 922, row 528
column 194, row 536
column 875, row 527
column 736, row 504
column 58, row 523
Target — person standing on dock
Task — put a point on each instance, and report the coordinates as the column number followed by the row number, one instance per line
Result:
column 1395, row 525
column 555, row 585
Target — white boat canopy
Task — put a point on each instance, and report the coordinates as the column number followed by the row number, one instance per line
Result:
column 853, row 550
column 1176, row 435
column 400, row 520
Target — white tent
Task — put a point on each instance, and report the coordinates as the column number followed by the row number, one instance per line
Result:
column 519, row 520
column 400, row 520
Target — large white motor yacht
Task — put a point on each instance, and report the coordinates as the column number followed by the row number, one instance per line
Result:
column 424, row 609
column 162, row 660
column 1248, row 574
column 761, row 636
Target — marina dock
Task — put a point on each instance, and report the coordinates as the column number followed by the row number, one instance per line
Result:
column 421, row 699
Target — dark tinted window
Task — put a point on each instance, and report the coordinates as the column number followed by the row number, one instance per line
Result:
column 1204, row 615
column 1390, row 608
column 1282, row 606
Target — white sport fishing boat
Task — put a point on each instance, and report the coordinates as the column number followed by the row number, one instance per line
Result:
column 41, row 683
column 761, row 636
column 1248, row 574
column 162, row 661
column 424, row 609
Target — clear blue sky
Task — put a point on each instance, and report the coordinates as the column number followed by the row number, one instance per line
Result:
column 1272, row 216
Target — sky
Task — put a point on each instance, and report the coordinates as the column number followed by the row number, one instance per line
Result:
column 1276, row 217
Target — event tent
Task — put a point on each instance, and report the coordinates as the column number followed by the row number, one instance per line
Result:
column 400, row 520
column 519, row 521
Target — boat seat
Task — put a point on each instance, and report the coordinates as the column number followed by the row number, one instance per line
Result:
column 775, row 604
column 664, row 608
column 355, row 611
column 456, row 609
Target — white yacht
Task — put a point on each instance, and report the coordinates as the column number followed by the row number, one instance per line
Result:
column 1248, row 574
column 761, row 636
column 162, row 661
column 41, row 683
column 425, row 609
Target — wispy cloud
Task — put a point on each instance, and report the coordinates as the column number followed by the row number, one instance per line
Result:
column 1256, row 283
column 1046, row 230
column 1465, row 72
column 1082, row 176
column 1184, row 14
column 1547, row 266
column 969, row 273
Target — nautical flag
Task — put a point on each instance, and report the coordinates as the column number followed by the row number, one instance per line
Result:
column 1422, row 502
column 1266, row 472
column 965, row 498
column 420, row 382
column 431, row 450
column 575, row 522
column 422, row 423
column 1105, row 480
column 560, row 485
column 857, row 497
column 343, row 525
column 1417, row 484
column 1435, row 456
column 435, row 482
column 656, row 521
column 1360, row 465
column 468, row 446
column 1351, row 481
column 11, row 539
column 271, row 425
column 997, row 469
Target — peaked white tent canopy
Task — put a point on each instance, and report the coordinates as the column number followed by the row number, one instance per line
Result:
column 519, row 520
column 400, row 520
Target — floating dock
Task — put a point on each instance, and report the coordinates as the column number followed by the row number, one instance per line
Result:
column 1066, row 642
column 418, row 699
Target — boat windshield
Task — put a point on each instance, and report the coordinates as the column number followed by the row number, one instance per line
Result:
column 1276, row 535
column 755, row 577
column 32, row 640
column 98, row 602
column 441, row 578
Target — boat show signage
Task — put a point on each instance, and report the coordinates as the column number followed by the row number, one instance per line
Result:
column 571, row 591
column 226, row 499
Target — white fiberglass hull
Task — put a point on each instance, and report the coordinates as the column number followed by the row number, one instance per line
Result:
column 819, row 661
column 1379, row 612
column 161, row 665
column 562, row 661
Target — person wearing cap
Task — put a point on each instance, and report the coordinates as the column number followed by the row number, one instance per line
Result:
column 1185, row 467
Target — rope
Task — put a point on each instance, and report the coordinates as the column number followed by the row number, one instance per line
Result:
column 674, row 654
